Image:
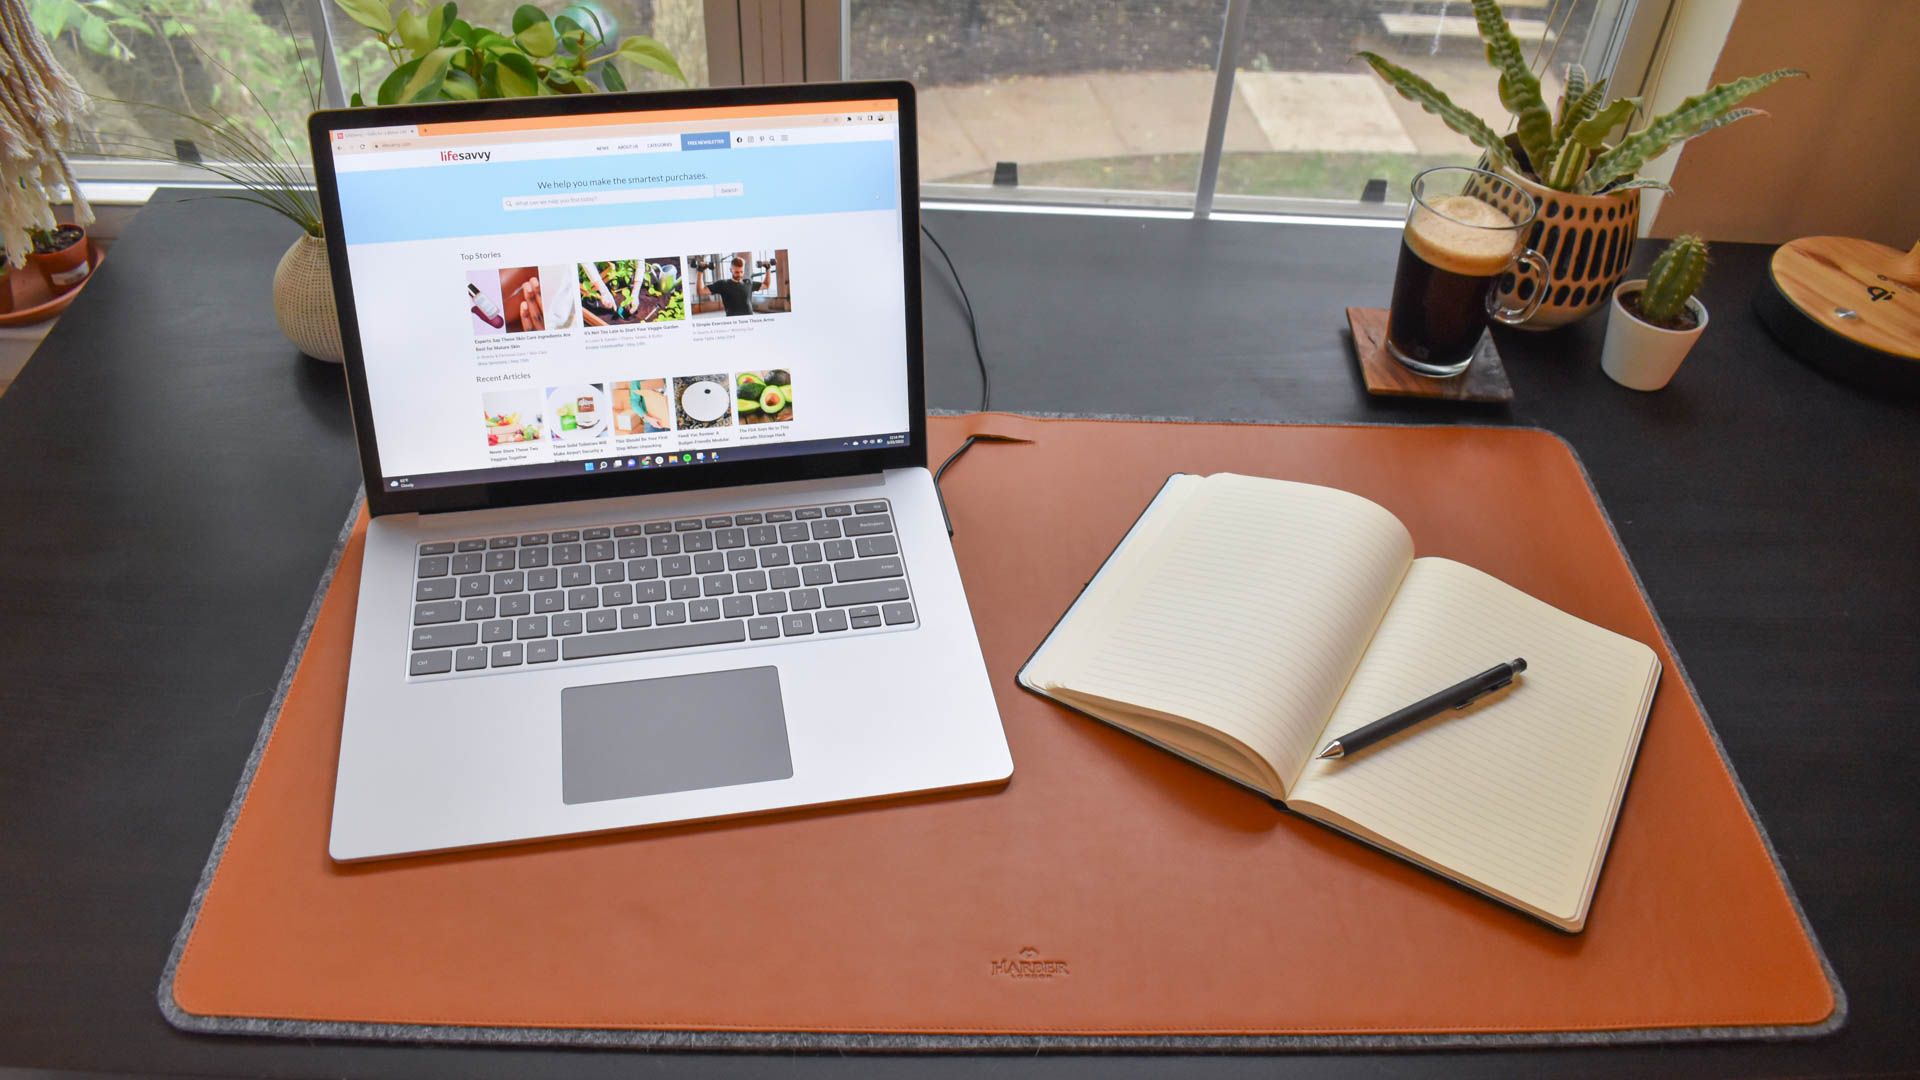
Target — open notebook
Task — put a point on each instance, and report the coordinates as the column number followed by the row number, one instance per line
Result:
column 1244, row 623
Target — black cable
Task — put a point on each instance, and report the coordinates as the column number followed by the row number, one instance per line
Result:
column 973, row 325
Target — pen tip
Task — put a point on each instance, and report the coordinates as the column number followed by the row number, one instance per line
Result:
column 1333, row 750
column 1519, row 664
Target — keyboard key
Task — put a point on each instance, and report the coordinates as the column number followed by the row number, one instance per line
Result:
column 570, row 623
column 864, row 622
column 476, row 585
column 826, row 530
column 471, row 545
column 430, row 663
column 602, row 620
column 867, row 592
column 445, row 637
column 839, row 549
column 804, row 599
column 480, row 607
column 631, row 617
column 431, row 566
column 761, row 629
column 818, row 574
column 438, row 547
column 870, row 508
column 548, row 578
column 501, row 560
column 508, row 655
column 510, row 581
column 438, row 611
column 786, row 577
column 709, row 562
column 898, row 613
column 746, row 519
column 686, row 524
column 669, row 614
column 626, row 530
column 598, row 533
column 599, row 550
column 774, row 556
column 736, row 607
column 775, row 516
column 572, row 576
column 841, row 510
column 434, row 589
column 830, row 620
column 570, row 536
column 664, row 545
column 654, row 528
column 792, row 532
column 864, row 610
column 616, row 595
column 685, row 588
column 607, row 573
column 532, row 538
column 583, row 598
column 503, row 542
column 750, row 580
column 868, row 569
column 549, row 601
column 705, row 610
column 808, row 514
column 728, row 539
column 717, row 522
column 516, row 604
column 806, row 553
column 762, row 535
column 496, row 630
column 532, row 557
column 796, row 624
column 868, row 526
column 643, row 569
column 676, row 566
column 471, row 659
column 543, row 652
column 771, row 603
column 716, row 585
column 566, row 554
column 471, row 562
column 869, row 546
column 633, row 547
column 649, row 592
column 700, row 541
column 533, row 626
column 632, row 641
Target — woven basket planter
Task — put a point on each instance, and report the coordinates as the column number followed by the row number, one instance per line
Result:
column 303, row 300
column 1586, row 240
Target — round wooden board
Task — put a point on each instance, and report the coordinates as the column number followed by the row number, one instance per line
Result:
column 1848, row 307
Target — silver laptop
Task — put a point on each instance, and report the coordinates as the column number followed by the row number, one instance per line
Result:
column 638, row 391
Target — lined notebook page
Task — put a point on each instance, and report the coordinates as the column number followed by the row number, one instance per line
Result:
column 1246, row 612
column 1516, row 794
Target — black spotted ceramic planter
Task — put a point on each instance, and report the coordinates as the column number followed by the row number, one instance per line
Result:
column 1585, row 239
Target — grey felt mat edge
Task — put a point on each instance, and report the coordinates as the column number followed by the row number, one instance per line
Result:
column 881, row 1042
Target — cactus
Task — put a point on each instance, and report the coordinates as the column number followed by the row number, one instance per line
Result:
column 1675, row 275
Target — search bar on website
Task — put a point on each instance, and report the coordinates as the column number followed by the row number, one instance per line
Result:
column 619, row 196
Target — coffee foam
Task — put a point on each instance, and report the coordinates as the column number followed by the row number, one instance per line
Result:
column 1462, row 235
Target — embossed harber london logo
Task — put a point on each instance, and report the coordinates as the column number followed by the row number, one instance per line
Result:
column 1029, row 964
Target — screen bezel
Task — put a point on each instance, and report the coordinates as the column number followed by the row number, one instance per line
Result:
column 483, row 494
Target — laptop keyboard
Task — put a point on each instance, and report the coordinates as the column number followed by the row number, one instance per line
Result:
column 489, row 603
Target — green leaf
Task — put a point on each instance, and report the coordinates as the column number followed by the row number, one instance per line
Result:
column 1592, row 132
column 459, row 86
column 611, row 78
column 424, row 83
column 357, row 101
column 95, row 36
column 538, row 38
column 52, row 16
column 649, row 53
column 1576, row 85
column 1567, row 165
column 1579, row 109
column 1697, row 114
column 1519, row 88
column 415, row 31
column 564, row 25
column 1625, row 185
column 1428, row 97
column 389, row 91
column 372, row 14
column 517, row 76
column 527, row 15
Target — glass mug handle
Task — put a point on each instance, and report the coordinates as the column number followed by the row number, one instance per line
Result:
column 1513, row 316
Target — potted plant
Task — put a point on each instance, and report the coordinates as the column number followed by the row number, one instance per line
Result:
column 42, row 104
column 61, row 256
column 1589, row 191
column 1656, row 320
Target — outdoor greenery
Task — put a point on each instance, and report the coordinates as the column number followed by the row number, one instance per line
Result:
column 1566, row 150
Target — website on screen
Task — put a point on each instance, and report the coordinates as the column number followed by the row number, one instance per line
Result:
column 626, row 291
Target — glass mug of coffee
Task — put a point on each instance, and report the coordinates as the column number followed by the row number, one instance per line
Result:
column 1457, row 245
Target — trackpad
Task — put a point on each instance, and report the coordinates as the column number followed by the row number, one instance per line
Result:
column 682, row 733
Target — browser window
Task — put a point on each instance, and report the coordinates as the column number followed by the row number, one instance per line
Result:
column 549, row 296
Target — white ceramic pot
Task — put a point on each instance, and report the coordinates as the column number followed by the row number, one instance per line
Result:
column 1639, row 355
column 303, row 300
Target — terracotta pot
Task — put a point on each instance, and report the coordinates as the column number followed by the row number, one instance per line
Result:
column 1586, row 240
column 1639, row 355
column 6, row 284
column 303, row 300
column 63, row 269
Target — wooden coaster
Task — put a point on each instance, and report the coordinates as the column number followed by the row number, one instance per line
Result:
column 1484, row 380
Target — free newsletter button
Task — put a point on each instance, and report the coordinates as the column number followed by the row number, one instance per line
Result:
column 703, row 140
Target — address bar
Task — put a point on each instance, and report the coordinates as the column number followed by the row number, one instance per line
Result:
column 621, row 195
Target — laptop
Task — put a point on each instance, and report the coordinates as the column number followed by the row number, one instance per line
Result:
column 637, row 385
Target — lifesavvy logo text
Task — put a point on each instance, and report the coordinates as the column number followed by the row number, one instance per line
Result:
column 466, row 155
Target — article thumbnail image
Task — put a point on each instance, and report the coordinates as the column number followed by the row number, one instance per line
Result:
column 620, row 292
column 559, row 299
column 764, row 397
column 726, row 284
column 483, row 303
column 579, row 411
column 521, row 301
column 702, row 401
column 512, row 416
column 640, row 407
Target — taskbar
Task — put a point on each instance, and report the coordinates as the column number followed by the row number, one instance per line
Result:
column 632, row 461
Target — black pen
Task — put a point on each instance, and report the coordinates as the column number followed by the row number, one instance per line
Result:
column 1456, row 696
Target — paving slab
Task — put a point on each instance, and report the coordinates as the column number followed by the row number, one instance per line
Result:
column 945, row 148
column 1166, row 112
column 1317, row 111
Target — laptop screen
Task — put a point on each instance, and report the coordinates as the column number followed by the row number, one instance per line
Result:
column 616, row 292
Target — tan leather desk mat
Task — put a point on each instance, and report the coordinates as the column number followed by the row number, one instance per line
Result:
column 1110, row 895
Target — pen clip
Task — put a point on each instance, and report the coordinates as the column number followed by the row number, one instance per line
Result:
column 1502, row 684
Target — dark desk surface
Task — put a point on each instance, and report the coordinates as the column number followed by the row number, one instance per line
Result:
column 172, row 474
